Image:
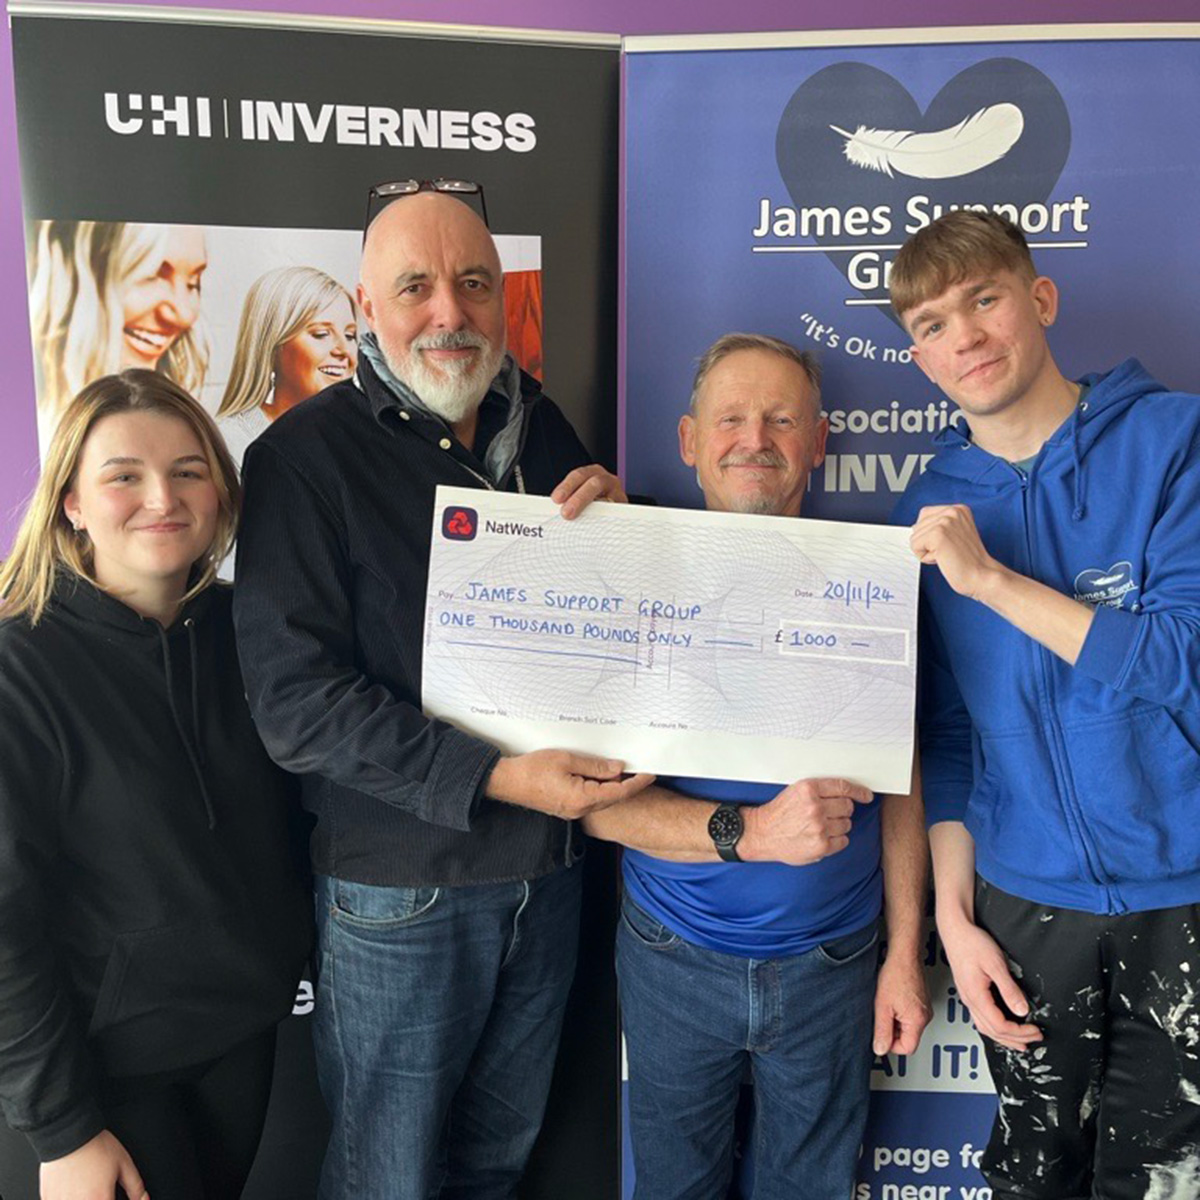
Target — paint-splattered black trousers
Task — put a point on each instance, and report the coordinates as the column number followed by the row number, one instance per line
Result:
column 1107, row 1107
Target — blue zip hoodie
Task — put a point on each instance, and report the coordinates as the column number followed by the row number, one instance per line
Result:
column 1080, row 785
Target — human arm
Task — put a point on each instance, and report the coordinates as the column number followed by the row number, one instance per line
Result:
column 804, row 823
column 1150, row 649
column 46, row 1073
column 92, row 1173
column 945, row 536
column 901, row 997
column 562, row 783
column 318, row 712
column 947, row 778
column 978, row 963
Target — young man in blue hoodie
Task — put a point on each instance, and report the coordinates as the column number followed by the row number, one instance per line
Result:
column 1060, row 711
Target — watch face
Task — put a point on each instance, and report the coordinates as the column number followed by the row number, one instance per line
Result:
column 725, row 826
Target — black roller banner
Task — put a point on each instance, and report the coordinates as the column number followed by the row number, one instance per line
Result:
column 174, row 170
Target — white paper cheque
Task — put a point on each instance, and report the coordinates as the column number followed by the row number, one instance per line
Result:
column 683, row 643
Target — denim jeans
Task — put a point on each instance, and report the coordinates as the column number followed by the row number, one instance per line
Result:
column 436, row 1026
column 695, row 1020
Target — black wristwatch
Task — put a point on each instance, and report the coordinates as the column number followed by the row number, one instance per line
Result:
column 725, row 827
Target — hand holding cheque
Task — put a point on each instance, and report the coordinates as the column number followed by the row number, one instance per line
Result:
column 561, row 783
column 680, row 642
column 809, row 820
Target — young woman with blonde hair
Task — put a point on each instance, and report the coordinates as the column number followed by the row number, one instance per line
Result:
column 297, row 335
column 153, row 923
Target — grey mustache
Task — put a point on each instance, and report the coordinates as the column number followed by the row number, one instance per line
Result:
column 459, row 339
column 764, row 458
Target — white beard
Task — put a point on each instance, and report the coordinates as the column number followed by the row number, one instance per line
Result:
column 452, row 390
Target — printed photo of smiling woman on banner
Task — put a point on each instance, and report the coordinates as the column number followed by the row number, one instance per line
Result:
column 194, row 193
column 104, row 296
column 175, row 299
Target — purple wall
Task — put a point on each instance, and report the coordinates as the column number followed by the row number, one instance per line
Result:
column 18, row 441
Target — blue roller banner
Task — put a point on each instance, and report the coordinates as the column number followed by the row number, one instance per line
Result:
column 758, row 198
column 768, row 190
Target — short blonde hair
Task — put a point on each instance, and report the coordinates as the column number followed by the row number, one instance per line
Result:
column 76, row 269
column 732, row 343
column 957, row 246
column 46, row 543
column 277, row 307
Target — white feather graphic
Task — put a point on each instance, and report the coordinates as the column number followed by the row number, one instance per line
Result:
column 972, row 144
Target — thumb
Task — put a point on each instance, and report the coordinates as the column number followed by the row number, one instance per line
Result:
column 131, row 1181
column 593, row 767
column 1010, row 993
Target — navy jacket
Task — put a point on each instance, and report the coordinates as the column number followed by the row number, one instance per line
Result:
column 332, row 562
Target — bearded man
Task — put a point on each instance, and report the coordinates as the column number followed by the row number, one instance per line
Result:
column 447, row 905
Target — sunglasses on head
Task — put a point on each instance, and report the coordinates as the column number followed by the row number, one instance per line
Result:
column 382, row 194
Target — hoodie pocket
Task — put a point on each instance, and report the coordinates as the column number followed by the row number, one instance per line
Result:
column 1016, row 812
column 111, row 985
column 181, row 992
column 1138, row 783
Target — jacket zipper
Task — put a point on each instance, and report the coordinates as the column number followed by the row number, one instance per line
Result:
column 1055, row 739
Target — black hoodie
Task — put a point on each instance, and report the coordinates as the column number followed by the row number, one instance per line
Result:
column 151, row 912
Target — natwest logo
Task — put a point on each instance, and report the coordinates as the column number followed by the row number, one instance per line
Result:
column 459, row 524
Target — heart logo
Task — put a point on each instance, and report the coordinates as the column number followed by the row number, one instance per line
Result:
column 459, row 524
column 852, row 137
column 1109, row 587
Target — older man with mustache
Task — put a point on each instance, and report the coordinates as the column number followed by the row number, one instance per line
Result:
column 447, row 906
column 748, row 935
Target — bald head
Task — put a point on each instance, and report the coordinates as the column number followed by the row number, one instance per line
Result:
column 431, row 291
column 412, row 227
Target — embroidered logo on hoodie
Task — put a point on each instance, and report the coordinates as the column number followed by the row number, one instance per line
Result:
column 1097, row 586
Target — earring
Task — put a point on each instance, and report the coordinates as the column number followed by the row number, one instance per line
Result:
column 271, row 394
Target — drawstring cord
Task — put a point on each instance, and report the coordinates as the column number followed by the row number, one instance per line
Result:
column 194, row 663
column 187, row 745
column 1080, row 509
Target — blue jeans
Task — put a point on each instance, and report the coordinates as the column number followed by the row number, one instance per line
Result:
column 436, row 1026
column 695, row 1019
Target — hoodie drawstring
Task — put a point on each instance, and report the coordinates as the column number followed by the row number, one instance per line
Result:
column 194, row 663
column 1080, row 509
column 192, row 750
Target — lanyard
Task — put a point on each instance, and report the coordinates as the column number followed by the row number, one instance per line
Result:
column 487, row 483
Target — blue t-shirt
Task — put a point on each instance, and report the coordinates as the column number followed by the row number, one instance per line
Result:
column 761, row 910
